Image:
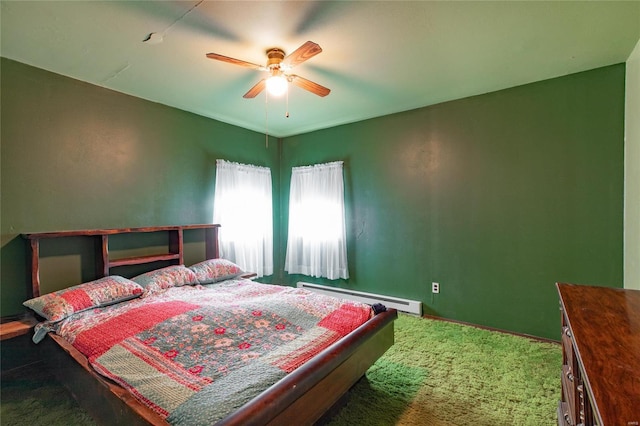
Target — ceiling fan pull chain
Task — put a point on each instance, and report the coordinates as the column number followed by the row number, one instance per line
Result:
column 287, row 112
column 266, row 119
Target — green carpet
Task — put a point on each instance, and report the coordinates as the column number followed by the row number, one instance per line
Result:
column 442, row 373
column 437, row 373
column 35, row 398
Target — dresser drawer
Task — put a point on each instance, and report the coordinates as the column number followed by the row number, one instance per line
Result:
column 567, row 346
column 572, row 408
column 563, row 415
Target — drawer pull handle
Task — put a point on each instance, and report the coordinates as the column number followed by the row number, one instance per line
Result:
column 567, row 331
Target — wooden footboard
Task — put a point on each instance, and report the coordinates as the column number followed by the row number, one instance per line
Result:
column 299, row 398
column 107, row 402
column 308, row 392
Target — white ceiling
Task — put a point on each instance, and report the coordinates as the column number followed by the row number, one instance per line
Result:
column 379, row 57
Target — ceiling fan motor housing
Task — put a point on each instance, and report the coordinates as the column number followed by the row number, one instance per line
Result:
column 275, row 57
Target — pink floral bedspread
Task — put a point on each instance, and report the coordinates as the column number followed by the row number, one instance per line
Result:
column 194, row 354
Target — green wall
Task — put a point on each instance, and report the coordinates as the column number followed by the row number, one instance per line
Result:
column 496, row 197
column 77, row 156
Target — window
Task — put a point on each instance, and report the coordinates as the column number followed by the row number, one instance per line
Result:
column 243, row 207
column 316, row 244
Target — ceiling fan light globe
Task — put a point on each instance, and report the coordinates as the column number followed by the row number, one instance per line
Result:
column 277, row 85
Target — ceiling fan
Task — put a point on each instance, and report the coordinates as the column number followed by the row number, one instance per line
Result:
column 278, row 67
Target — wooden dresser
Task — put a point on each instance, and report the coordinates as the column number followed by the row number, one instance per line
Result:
column 601, row 356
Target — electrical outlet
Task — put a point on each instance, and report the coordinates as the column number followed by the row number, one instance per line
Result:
column 435, row 288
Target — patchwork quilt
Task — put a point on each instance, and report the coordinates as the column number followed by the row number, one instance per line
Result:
column 195, row 354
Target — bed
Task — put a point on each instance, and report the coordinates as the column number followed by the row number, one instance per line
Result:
column 289, row 366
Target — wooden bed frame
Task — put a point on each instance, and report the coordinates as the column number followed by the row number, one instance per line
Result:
column 301, row 397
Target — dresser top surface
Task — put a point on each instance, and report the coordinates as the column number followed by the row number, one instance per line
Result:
column 605, row 325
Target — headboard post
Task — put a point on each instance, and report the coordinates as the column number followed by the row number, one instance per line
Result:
column 102, row 256
column 34, row 260
column 211, row 244
column 176, row 244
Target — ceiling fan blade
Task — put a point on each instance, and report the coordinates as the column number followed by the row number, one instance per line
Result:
column 255, row 90
column 234, row 61
column 301, row 54
column 309, row 85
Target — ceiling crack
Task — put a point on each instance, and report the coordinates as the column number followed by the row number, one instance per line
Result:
column 115, row 74
column 182, row 16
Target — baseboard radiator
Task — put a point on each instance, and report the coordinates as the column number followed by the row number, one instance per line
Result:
column 404, row 305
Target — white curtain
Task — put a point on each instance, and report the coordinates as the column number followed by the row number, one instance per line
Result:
column 317, row 242
column 243, row 207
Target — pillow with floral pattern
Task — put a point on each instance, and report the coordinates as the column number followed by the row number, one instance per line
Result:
column 94, row 294
column 161, row 279
column 214, row 270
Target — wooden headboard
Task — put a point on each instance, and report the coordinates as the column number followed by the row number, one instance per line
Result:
column 104, row 263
